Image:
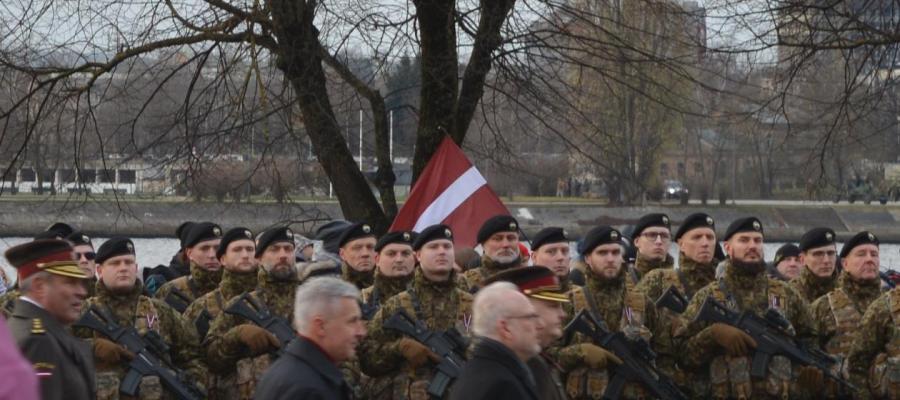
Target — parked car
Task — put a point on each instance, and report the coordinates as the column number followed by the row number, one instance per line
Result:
column 674, row 189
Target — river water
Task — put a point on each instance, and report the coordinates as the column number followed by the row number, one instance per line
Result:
column 151, row 252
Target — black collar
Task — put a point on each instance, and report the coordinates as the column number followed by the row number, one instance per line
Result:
column 494, row 350
column 309, row 352
column 27, row 310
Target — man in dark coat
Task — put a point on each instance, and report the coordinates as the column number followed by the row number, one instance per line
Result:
column 329, row 324
column 506, row 325
column 53, row 292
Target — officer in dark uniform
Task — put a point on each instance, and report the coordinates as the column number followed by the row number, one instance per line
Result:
column 53, row 293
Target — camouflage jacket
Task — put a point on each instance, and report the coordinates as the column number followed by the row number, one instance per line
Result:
column 877, row 339
column 811, row 287
column 224, row 348
column 7, row 301
column 836, row 315
column 441, row 306
column 198, row 283
column 233, row 284
column 690, row 277
column 472, row 278
column 384, row 288
column 642, row 266
column 361, row 279
column 145, row 314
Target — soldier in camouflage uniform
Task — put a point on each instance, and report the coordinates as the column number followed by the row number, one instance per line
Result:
column 696, row 238
column 819, row 274
column 237, row 346
column 84, row 253
column 120, row 292
column 609, row 294
column 786, row 265
column 499, row 239
column 550, row 248
column 399, row 365
column 837, row 314
column 237, row 254
column 394, row 266
column 723, row 352
column 357, row 253
column 200, row 245
column 651, row 237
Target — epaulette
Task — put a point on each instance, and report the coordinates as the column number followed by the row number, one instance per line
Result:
column 37, row 327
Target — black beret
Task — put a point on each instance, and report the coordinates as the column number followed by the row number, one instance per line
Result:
column 330, row 233
column 200, row 232
column 79, row 238
column 693, row 221
column 549, row 236
column 272, row 236
column 233, row 235
column 182, row 230
column 864, row 237
column 497, row 223
column 356, row 231
column 536, row 282
column 816, row 237
column 57, row 230
column 785, row 251
column 432, row 233
column 746, row 224
column 648, row 221
column 598, row 236
column 116, row 246
column 398, row 237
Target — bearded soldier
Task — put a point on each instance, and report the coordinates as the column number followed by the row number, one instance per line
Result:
column 235, row 345
column 651, row 237
column 200, row 245
column 550, row 248
column 609, row 294
column 401, row 366
column 357, row 253
column 817, row 254
column 237, row 253
column 499, row 239
column 394, row 265
column 696, row 238
column 722, row 351
column 119, row 292
column 837, row 314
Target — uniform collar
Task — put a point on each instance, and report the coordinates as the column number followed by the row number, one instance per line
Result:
column 307, row 350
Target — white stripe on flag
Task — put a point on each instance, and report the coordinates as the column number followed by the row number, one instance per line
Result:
column 451, row 198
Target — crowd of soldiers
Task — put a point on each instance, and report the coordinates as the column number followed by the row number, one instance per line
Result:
column 215, row 317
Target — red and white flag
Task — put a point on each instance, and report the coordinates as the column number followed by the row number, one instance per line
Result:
column 450, row 191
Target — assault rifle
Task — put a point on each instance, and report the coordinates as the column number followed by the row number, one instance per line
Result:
column 149, row 353
column 177, row 300
column 890, row 277
column 250, row 309
column 636, row 355
column 450, row 346
column 673, row 300
column 771, row 338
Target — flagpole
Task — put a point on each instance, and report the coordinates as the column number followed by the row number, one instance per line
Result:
column 360, row 139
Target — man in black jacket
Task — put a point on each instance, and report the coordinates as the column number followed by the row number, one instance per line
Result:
column 506, row 325
column 329, row 324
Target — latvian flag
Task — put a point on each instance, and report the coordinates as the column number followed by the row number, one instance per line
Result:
column 450, row 191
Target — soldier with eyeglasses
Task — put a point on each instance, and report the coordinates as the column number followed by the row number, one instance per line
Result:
column 652, row 237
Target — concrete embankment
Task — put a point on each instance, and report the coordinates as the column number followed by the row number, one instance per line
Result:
column 152, row 219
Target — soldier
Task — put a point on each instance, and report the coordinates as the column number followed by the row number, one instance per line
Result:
column 53, row 294
column 178, row 266
column 357, row 253
column 400, row 365
column 394, row 262
column 836, row 315
column 541, row 286
column 696, row 238
column 84, row 254
column 550, row 248
column 610, row 295
column 57, row 230
column 499, row 239
column 786, row 265
column 651, row 237
column 119, row 292
column 200, row 245
column 722, row 351
column 237, row 346
column 817, row 253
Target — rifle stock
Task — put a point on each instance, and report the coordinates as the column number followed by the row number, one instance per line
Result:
column 673, row 300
